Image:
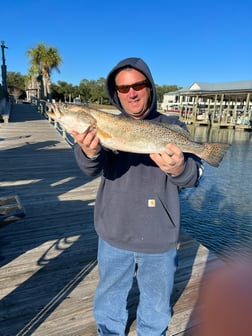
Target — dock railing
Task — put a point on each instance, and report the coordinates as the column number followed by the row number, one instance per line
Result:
column 42, row 108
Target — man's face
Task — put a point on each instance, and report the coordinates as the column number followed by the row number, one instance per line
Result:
column 134, row 92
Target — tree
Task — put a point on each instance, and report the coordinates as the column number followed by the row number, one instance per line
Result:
column 16, row 84
column 64, row 92
column 93, row 90
column 43, row 60
column 85, row 90
column 15, row 79
column 161, row 90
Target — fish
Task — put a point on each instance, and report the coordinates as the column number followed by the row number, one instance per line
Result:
column 120, row 133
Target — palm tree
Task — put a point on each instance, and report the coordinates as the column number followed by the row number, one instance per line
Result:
column 43, row 60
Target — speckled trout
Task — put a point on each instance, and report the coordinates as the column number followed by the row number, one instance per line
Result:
column 118, row 132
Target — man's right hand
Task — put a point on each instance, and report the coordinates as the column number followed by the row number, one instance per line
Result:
column 88, row 141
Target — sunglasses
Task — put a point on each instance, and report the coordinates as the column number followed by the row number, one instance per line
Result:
column 136, row 86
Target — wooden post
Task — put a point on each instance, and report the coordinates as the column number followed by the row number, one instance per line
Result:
column 228, row 111
column 247, row 105
column 220, row 110
column 215, row 100
column 195, row 105
column 208, row 107
column 209, row 114
column 235, row 111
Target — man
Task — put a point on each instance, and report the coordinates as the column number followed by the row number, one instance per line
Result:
column 137, row 213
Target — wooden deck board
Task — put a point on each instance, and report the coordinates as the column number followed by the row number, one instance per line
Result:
column 48, row 264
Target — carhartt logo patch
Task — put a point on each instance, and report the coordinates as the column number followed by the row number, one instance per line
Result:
column 151, row 203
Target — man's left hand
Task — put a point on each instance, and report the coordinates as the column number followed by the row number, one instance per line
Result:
column 171, row 162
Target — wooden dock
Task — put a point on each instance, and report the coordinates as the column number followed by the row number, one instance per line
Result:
column 48, row 251
column 220, row 125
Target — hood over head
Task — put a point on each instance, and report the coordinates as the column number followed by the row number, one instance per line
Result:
column 138, row 64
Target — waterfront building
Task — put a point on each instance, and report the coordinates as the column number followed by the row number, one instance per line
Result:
column 220, row 103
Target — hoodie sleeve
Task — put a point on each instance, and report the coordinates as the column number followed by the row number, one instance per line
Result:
column 192, row 173
column 90, row 167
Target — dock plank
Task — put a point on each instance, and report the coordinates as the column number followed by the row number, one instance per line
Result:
column 48, row 261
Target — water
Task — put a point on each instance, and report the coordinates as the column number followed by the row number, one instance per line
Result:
column 218, row 213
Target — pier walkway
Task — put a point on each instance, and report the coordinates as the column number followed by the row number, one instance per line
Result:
column 48, row 244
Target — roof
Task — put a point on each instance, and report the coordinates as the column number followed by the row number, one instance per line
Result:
column 225, row 86
column 244, row 85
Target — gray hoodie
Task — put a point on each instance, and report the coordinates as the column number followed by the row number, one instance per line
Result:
column 137, row 206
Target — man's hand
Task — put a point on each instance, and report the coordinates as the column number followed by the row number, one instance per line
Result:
column 88, row 141
column 171, row 162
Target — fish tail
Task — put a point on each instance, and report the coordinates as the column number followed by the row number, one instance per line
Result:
column 213, row 153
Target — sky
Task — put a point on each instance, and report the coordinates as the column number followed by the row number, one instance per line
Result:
column 182, row 41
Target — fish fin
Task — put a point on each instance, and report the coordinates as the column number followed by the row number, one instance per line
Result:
column 213, row 153
column 103, row 135
column 178, row 129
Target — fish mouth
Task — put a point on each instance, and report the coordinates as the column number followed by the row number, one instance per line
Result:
column 53, row 111
column 51, row 115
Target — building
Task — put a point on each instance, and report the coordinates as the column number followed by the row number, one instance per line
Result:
column 222, row 103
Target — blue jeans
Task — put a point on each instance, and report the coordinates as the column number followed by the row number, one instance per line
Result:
column 155, row 278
